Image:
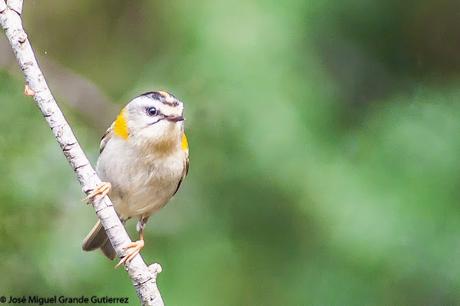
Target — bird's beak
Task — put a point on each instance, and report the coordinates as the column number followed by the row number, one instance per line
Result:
column 175, row 118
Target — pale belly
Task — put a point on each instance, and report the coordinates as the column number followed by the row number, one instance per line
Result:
column 140, row 186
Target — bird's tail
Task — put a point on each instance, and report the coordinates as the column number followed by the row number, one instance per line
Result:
column 97, row 238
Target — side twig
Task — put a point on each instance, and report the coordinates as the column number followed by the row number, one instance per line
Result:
column 142, row 277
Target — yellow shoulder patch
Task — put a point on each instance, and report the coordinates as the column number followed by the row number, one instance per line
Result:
column 184, row 142
column 121, row 127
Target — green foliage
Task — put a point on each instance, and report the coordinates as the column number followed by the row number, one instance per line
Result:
column 324, row 152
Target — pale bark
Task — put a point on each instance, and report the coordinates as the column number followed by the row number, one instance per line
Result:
column 74, row 90
column 143, row 277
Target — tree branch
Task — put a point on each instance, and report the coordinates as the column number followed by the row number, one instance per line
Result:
column 142, row 277
column 77, row 92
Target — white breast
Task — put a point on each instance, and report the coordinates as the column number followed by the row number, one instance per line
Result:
column 140, row 184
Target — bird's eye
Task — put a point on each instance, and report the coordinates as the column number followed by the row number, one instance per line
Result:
column 151, row 111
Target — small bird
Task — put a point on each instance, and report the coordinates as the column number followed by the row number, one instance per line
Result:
column 143, row 160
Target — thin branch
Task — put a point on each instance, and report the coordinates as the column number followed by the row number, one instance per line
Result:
column 74, row 90
column 15, row 5
column 142, row 277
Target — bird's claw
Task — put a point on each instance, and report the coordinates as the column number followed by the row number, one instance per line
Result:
column 132, row 250
column 100, row 191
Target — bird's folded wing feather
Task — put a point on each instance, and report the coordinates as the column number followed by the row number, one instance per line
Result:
column 186, row 162
column 105, row 138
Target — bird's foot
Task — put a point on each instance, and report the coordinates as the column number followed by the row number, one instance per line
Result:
column 100, row 191
column 132, row 250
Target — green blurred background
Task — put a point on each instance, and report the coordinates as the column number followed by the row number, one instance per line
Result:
column 324, row 142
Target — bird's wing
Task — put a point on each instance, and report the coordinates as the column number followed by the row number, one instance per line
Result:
column 106, row 137
column 185, row 149
column 186, row 161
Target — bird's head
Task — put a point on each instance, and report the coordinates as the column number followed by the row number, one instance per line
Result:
column 152, row 119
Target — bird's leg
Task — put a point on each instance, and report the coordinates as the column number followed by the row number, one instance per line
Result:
column 100, row 191
column 133, row 248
